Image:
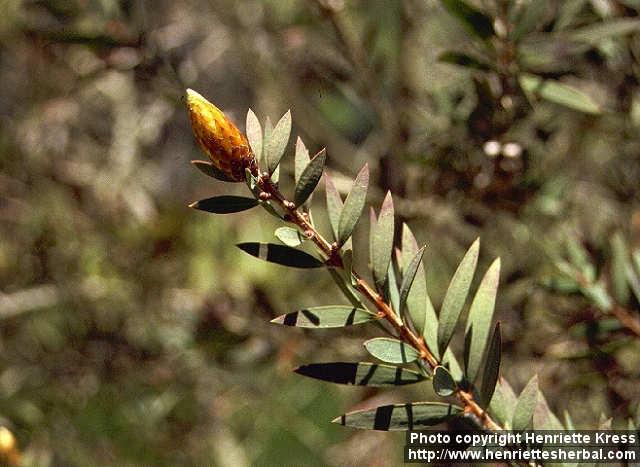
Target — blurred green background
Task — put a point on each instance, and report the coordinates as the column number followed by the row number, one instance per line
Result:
column 133, row 332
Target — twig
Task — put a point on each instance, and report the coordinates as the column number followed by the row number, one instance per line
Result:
column 297, row 217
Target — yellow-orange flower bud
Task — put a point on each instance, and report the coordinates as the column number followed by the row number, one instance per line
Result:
column 227, row 148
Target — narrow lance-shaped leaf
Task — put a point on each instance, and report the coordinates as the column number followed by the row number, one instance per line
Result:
column 254, row 134
column 266, row 138
column 455, row 296
column 464, row 60
column 301, row 159
column 225, row 204
column 559, row 93
column 479, row 320
column 544, row 418
column 360, row 374
column 503, row 403
column 531, row 15
column 334, row 204
column 400, row 417
column 289, row 236
column 277, row 142
column 391, row 290
column 619, row 265
column 381, row 242
column 409, row 275
column 523, row 413
column 474, row 21
column 391, row 350
column 353, row 205
column 335, row 316
column 491, row 371
column 310, row 177
column 419, row 306
column 211, row 170
column 281, row 254
column 443, row 383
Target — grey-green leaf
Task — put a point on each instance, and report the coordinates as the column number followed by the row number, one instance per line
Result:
column 225, row 204
column 473, row 20
column 301, row 159
column 289, row 236
column 360, row 374
column 443, row 383
column 527, row 401
column 491, row 371
column 400, row 417
column 479, row 320
column 531, row 16
column 391, row 350
column 419, row 305
column 281, row 254
column 409, row 275
column 464, row 60
column 558, row 93
column 277, row 142
column 503, row 403
column 619, row 265
column 335, row 316
column 211, row 170
column 381, row 242
column 254, row 134
column 334, row 205
column 310, row 177
column 456, row 295
column 353, row 205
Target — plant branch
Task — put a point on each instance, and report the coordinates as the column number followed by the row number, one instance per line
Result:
column 332, row 251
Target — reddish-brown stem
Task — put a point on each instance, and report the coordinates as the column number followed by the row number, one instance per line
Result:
column 297, row 217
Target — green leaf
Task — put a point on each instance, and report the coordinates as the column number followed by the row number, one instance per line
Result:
column 266, row 138
column 391, row 289
column 443, row 383
column 381, row 241
column 346, row 287
column 353, row 205
column 479, row 320
column 544, row 418
column 274, row 147
column 473, row 20
column 595, row 33
column 335, row 316
column 503, row 403
column 619, row 265
column 301, row 159
column 449, row 360
column 254, row 134
column 400, row 417
column 310, row 177
column 225, row 204
column 491, row 371
column 456, row 296
column 334, row 205
column 419, row 306
column 523, row 413
column 281, row 254
column 464, row 60
column 360, row 374
column 558, row 93
column 211, row 170
column 409, row 276
column 531, row 16
column 391, row 350
column 289, row 236
column 568, row 422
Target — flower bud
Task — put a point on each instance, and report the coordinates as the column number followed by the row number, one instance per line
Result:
column 227, row 148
